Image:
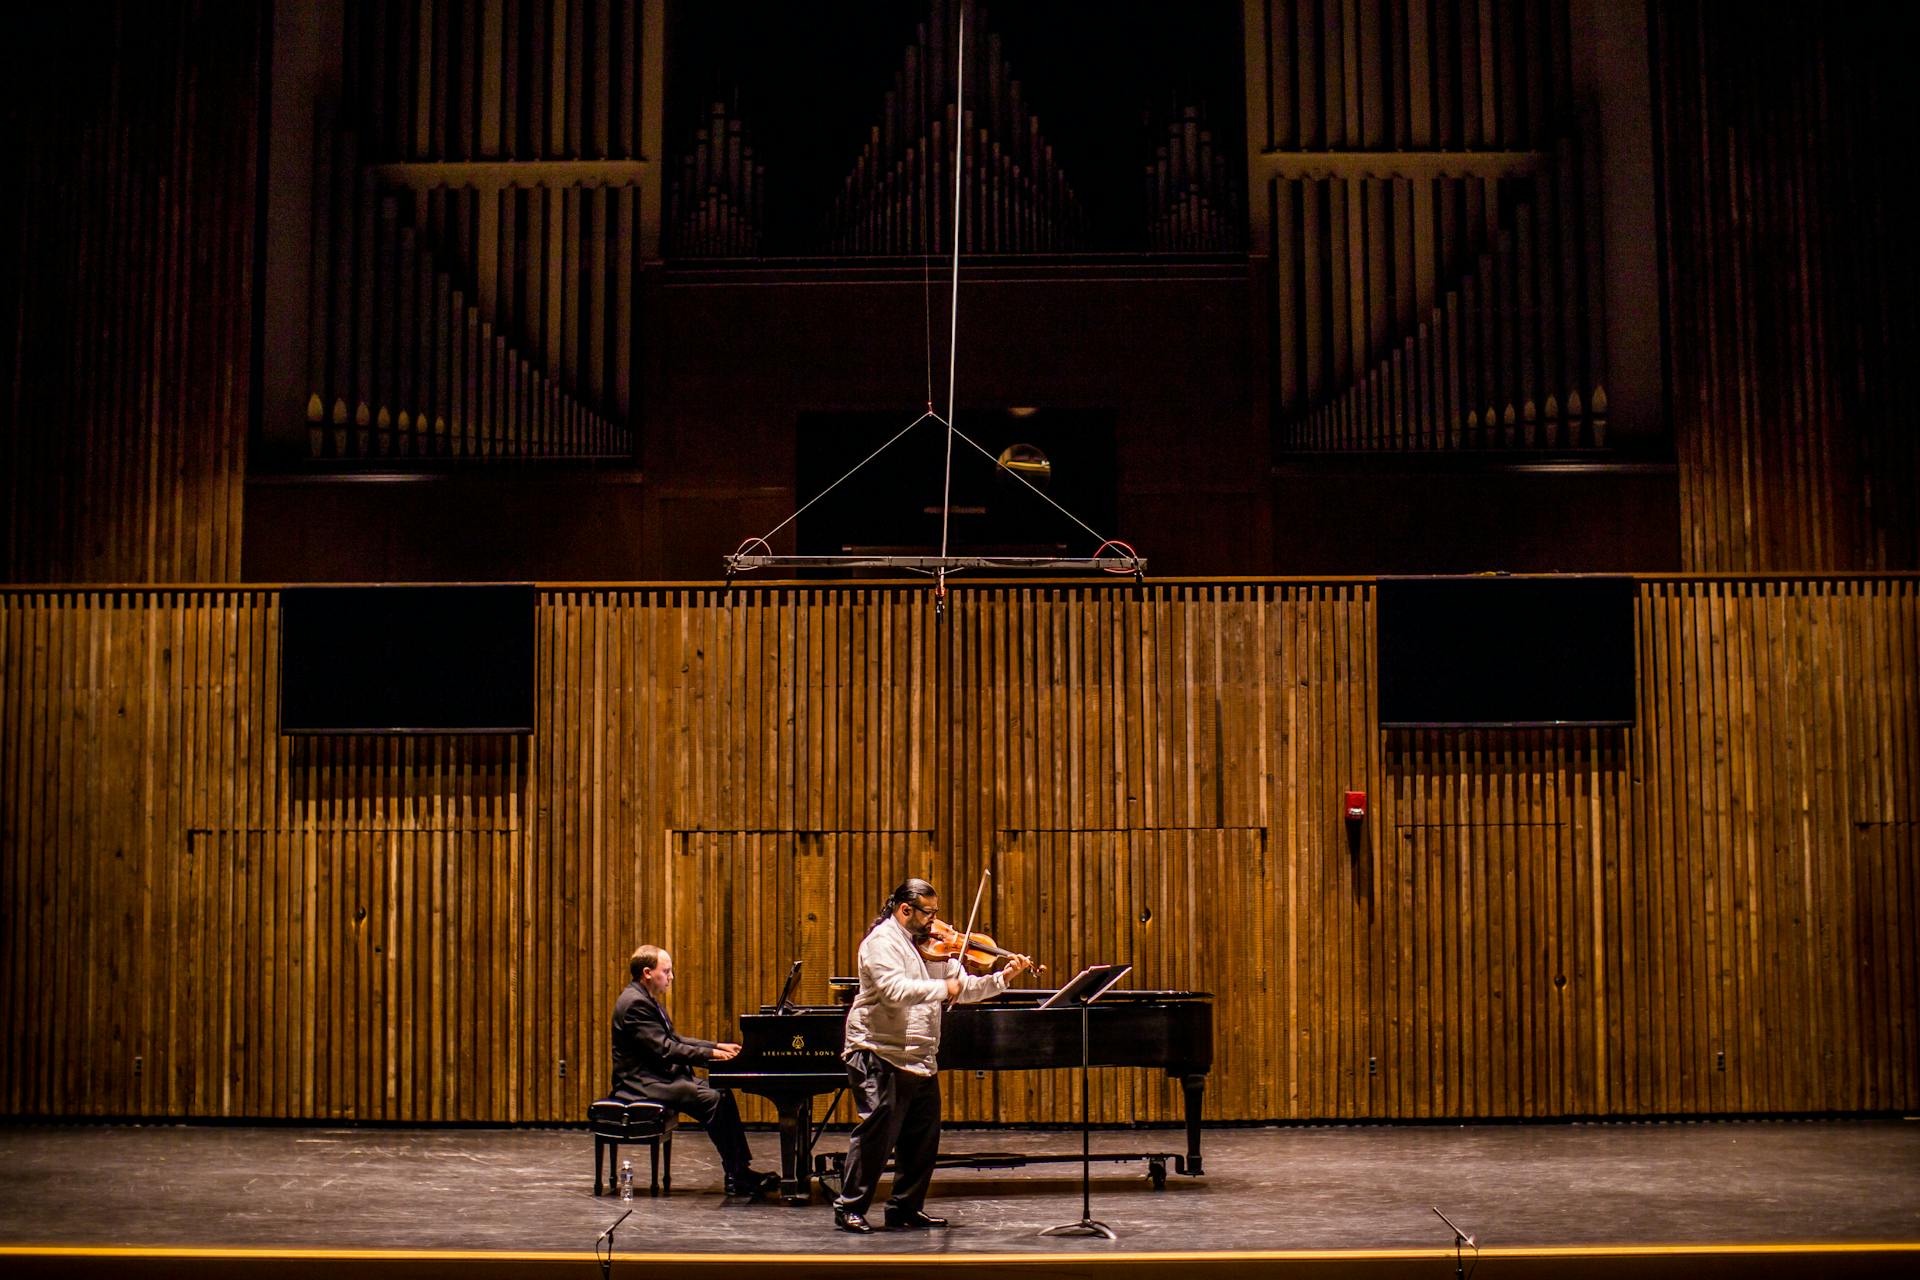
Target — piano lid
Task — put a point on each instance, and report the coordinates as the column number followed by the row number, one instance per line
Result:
column 1022, row 998
column 1169, row 1030
column 1039, row 995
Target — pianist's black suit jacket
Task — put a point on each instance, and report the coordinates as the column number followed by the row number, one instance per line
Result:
column 646, row 1048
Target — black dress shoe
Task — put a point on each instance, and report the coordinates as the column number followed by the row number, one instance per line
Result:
column 852, row 1222
column 752, row 1182
column 913, row 1221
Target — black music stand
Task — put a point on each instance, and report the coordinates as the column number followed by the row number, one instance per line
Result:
column 1087, row 986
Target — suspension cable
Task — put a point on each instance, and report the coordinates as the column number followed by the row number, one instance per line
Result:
column 953, row 321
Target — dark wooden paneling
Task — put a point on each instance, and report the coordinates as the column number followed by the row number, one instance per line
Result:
column 1713, row 911
column 1166, row 356
column 127, row 292
column 465, row 525
column 1393, row 515
column 1789, row 279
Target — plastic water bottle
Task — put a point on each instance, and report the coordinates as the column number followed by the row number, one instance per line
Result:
column 626, row 1180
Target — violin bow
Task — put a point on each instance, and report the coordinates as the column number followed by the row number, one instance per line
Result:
column 973, row 918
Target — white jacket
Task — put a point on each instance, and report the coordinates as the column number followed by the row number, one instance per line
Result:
column 897, row 1013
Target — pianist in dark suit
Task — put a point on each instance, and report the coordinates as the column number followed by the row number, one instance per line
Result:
column 891, row 1048
column 654, row 1063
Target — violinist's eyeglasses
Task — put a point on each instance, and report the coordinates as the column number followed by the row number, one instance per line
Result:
column 919, row 910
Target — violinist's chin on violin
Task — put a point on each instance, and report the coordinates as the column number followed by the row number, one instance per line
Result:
column 980, row 953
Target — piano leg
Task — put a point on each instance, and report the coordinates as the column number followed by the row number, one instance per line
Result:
column 796, row 1149
column 1196, row 1087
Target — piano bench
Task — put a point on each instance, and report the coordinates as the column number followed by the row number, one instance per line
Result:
column 614, row 1123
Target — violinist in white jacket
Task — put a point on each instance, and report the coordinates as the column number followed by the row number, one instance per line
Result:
column 891, row 1052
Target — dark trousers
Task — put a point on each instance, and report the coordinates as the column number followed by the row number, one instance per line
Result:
column 713, row 1108
column 900, row 1117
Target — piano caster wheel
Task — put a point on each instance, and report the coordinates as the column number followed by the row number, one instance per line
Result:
column 1157, row 1170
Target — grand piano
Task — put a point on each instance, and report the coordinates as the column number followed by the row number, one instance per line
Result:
column 791, row 1054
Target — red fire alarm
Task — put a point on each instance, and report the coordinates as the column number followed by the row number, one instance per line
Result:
column 1356, row 805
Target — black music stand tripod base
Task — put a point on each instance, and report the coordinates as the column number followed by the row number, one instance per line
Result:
column 1086, row 1226
column 1087, row 986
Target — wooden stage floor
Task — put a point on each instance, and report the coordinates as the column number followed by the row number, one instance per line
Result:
column 1810, row 1197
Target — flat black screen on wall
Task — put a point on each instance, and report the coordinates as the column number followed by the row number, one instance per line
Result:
column 1505, row 651
column 442, row 659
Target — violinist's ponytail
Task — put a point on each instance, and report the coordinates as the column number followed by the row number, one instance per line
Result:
column 909, row 891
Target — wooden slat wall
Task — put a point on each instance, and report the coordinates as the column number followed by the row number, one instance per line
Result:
column 126, row 290
column 1712, row 912
column 1790, row 274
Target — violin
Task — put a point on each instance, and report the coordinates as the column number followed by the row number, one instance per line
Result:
column 983, row 954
